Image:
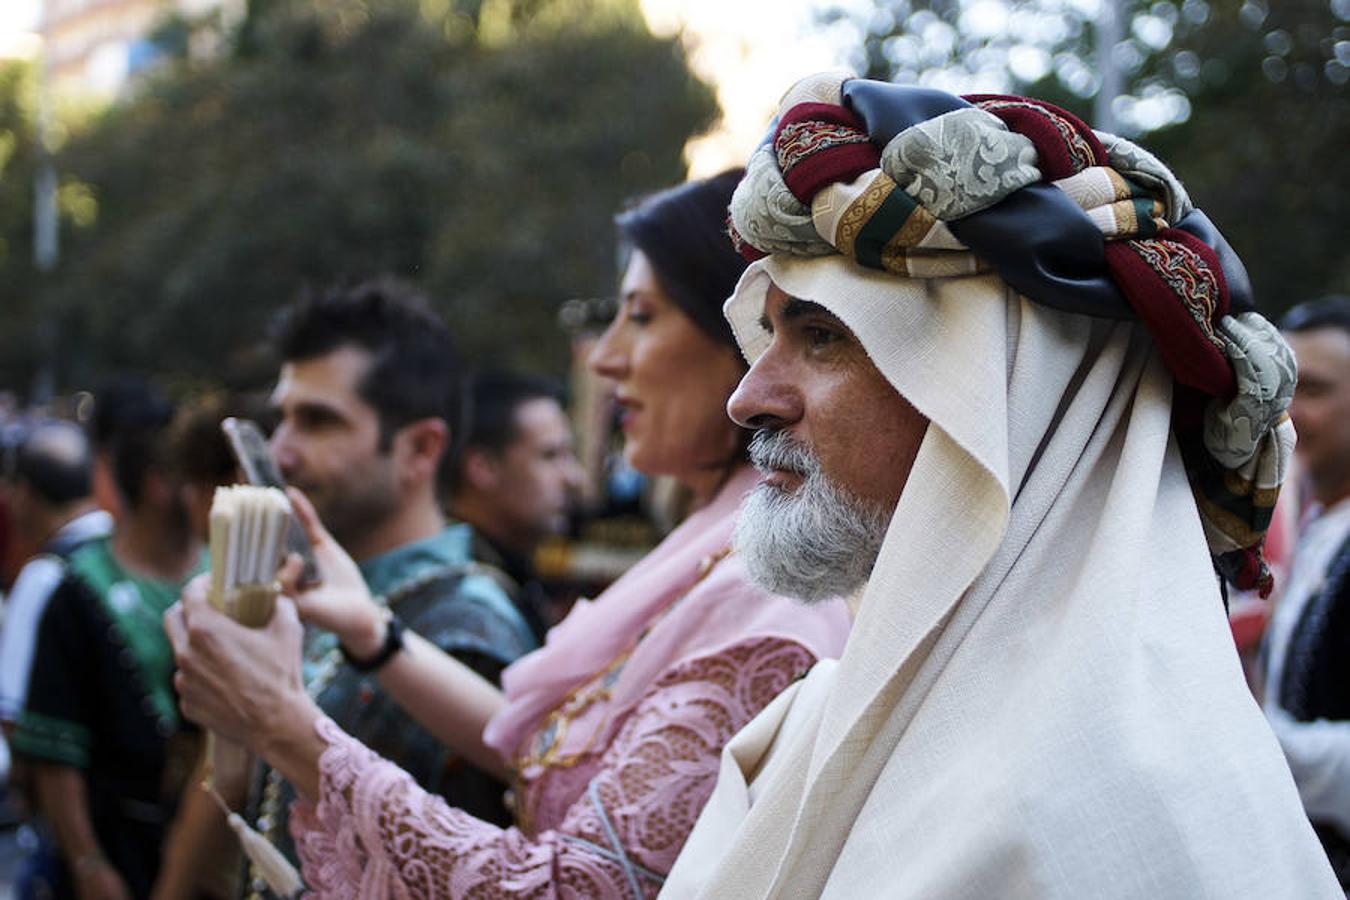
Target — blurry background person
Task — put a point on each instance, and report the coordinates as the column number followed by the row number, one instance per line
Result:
column 100, row 725
column 47, row 487
column 613, row 730
column 200, row 453
column 46, row 483
column 369, row 397
column 516, row 481
column 1307, row 684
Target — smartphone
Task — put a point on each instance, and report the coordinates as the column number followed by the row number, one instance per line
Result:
column 255, row 459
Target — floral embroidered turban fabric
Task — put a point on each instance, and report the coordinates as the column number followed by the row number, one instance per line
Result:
column 924, row 184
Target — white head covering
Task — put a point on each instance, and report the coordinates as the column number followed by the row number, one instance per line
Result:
column 1040, row 696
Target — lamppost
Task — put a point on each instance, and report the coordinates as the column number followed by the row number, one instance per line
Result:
column 1110, row 32
column 46, row 221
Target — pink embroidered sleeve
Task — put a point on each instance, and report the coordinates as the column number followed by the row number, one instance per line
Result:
column 374, row 833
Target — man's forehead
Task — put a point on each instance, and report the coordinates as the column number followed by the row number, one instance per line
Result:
column 1324, row 350
column 332, row 378
column 540, row 417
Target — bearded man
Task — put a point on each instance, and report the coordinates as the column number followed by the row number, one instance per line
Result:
column 1010, row 398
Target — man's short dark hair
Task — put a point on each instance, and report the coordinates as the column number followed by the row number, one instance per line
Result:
column 54, row 459
column 415, row 370
column 1325, row 312
column 493, row 399
column 130, row 426
column 198, row 449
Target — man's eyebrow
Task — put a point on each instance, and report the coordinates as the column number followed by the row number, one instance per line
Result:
column 795, row 308
column 317, row 409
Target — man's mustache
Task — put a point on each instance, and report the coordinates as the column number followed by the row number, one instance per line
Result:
column 772, row 449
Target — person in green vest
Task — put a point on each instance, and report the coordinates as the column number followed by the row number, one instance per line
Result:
column 100, row 726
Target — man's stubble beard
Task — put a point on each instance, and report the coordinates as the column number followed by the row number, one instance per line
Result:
column 361, row 502
column 815, row 543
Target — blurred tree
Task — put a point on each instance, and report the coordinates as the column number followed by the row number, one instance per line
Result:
column 18, row 163
column 1264, row 147
column 476, row 147
column 1246, row 99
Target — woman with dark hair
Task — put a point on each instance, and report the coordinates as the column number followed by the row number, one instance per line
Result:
column 611, row 733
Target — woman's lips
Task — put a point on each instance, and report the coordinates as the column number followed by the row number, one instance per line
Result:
column 628, row 410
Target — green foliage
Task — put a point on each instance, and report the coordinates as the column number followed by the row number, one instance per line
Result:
column 1264, row 148
column 18, row 164
column 1247, row 100
column 342, row 139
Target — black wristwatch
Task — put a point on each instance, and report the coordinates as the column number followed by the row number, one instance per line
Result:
column 393, row 642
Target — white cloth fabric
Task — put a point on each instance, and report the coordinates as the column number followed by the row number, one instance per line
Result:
column 24, row 606
column 1040, row 697
column 1318, row 752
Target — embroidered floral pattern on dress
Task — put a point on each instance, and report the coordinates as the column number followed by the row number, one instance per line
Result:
column 374, row 833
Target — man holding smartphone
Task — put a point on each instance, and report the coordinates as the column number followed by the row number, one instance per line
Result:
column 369, row 402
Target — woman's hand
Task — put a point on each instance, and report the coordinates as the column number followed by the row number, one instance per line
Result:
column 242, row 683
column 340, row 602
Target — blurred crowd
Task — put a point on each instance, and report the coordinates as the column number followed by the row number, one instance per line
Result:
column 111, row 491
column 432, row 712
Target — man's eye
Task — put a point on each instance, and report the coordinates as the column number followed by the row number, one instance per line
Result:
column 314, row 419
column 817, row 336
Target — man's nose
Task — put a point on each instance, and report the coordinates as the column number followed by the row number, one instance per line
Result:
column 283, row 449
column 573, row 476
column 767, row 396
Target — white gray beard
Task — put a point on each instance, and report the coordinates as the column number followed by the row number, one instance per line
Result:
column 815, row 543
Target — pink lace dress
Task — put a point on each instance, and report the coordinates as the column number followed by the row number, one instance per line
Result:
column 612, row 769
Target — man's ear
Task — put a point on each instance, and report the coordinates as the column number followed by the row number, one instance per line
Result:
column 480, row 470
column 105, row 490
column 419, row 447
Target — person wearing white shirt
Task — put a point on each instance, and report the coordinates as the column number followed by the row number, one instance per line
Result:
column 47, row 480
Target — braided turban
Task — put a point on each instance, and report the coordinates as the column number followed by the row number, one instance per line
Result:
column 925, row 184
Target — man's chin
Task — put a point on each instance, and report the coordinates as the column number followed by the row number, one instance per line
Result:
column 769, row 576
column 800, row 545
column 321, row 505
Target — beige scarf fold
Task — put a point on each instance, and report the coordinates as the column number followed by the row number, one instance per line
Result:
column 1040, row 697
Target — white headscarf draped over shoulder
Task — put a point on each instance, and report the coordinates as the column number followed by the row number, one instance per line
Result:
column 1040, row 697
